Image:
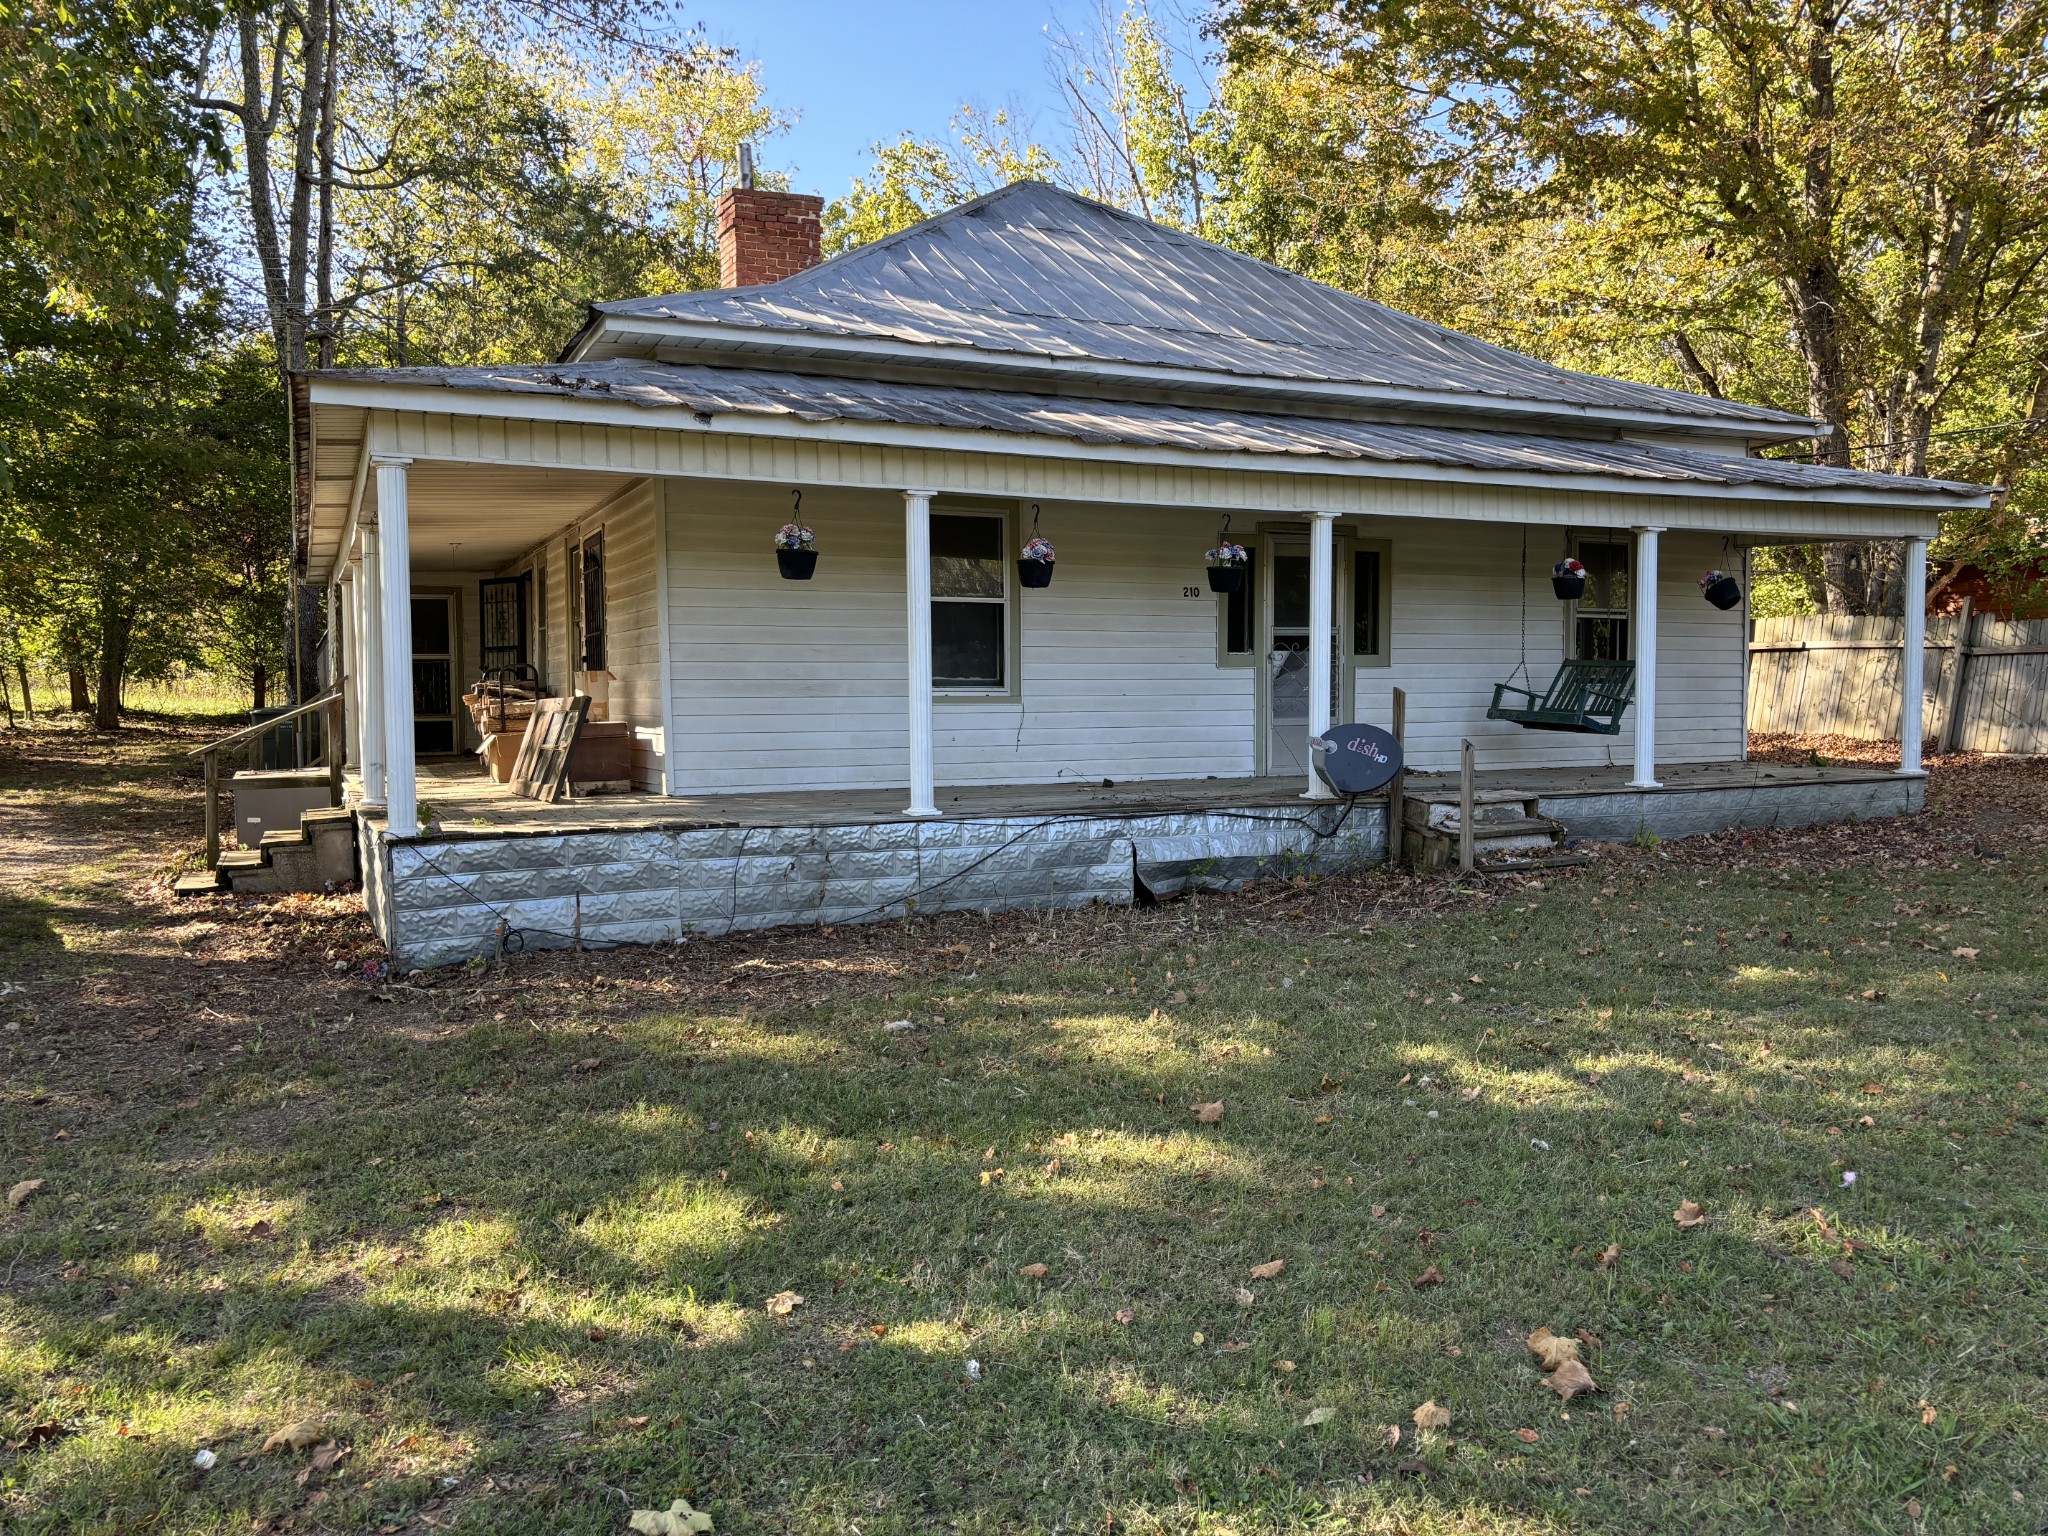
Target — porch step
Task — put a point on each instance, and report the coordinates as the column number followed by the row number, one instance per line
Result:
column 319, row 854
column 205, row 882
column 1507, row 830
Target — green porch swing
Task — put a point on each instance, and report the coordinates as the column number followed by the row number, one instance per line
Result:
column 1588, row 697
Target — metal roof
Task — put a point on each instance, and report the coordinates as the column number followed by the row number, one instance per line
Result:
column 1033, row 272
column 708, row 392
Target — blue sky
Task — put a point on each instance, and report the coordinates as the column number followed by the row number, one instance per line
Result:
column 863, row 70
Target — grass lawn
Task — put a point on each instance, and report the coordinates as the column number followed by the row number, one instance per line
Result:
column 509, row 1234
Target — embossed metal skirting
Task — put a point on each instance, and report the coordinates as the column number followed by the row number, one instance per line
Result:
column 439, row 902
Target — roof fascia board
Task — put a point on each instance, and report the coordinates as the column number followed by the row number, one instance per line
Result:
column 493, row 405
column 768, row 344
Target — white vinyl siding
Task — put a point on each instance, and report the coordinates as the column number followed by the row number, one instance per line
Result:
column 799, row 684
column 1457, row 630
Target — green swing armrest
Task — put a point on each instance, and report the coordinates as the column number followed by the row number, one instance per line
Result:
column 1502, row 689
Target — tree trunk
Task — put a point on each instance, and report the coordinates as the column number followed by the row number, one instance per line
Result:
column 115, row 626
column 28, row 700
column 259, row 686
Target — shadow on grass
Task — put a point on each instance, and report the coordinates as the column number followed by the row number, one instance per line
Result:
column 490, row 1253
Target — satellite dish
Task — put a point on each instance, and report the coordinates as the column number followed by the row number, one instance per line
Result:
column 1357, row 759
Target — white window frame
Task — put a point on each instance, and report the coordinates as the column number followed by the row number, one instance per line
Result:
column 1009, row 689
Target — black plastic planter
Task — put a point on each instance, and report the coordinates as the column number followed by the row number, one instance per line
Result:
column 1226, row 578
column 797, row 564
column 1723, row 594
column 1034, row 573
column 1568, row 588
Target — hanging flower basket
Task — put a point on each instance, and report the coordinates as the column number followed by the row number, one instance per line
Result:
column 1568, row 579
column 796, row 552
column 1720, row 589
column 1226, row 567
column 1035, row 568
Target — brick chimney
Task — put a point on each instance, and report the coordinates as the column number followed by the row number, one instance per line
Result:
column 763, row 236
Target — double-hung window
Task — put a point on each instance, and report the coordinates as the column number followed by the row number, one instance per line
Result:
column 970, row 602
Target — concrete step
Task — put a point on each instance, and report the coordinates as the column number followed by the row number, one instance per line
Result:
column 204, row 882
column 239, row 860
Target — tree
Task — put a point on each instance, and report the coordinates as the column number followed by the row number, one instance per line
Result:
column 1874, row 169
column 912, row 179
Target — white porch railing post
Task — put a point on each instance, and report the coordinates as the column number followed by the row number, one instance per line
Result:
column 1645, row 637
column 1913, row 660
column 917, row 587
column 370, row 673
column 351, row 640
column 394, row 570
column 1321, row 565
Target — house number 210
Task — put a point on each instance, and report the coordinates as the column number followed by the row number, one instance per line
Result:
column 1190, row 591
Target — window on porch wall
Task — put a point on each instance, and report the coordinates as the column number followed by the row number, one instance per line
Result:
column 970, row 601
column 1600, row 618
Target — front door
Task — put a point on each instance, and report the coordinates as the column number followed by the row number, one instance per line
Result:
column 433, row 674
column 1283, row 704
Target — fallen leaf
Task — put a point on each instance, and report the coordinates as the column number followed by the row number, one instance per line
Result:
column 1378, row 1211
column 1430, row 1276
column 588, row 1064
column 1390, row 1435
column 1552, row 1350
column 1590, row 1340
column 1244, row 1297
column 1527, row 1436
column 1913, row 1509
column 1286, row 1367
column 1269, row 1270
column 1432, row 1415
column 1234, row 1347
column 1318, row 1416
column 1207, row 1114
column 1471, row 1094
column 636, row 1421
column 1714, row 1432
column 782, row 1303
column 1964, row 952
column 1032, row 1271
column 1689, row 1215
column 23, row 1192
column 293, row 1437
column 1927, row 1413
column 677, row 1520
column 1569, row 1379
column 596, row 1335
column 1126, row 1316
column 1609, row 1257
column 326, row 1457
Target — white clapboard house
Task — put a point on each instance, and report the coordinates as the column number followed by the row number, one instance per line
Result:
column 916, row 727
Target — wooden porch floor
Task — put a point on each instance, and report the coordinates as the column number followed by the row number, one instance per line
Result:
column 468, row 805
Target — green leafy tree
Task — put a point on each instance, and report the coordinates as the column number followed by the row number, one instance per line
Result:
column 911, row 179
column 1870, row 174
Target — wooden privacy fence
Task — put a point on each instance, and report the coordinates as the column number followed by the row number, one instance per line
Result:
column 1840, row 676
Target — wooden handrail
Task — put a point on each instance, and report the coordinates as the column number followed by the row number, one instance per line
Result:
column 265, row 727
column 209, row 756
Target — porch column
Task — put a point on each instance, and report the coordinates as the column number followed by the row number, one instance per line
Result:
column 394, row 579
column 1913, row 663
column 1321, row 546
column 917, row 586
column 1645, row 637
column 370, row 664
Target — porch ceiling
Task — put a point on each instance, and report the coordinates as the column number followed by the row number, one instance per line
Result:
column 477, row 516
